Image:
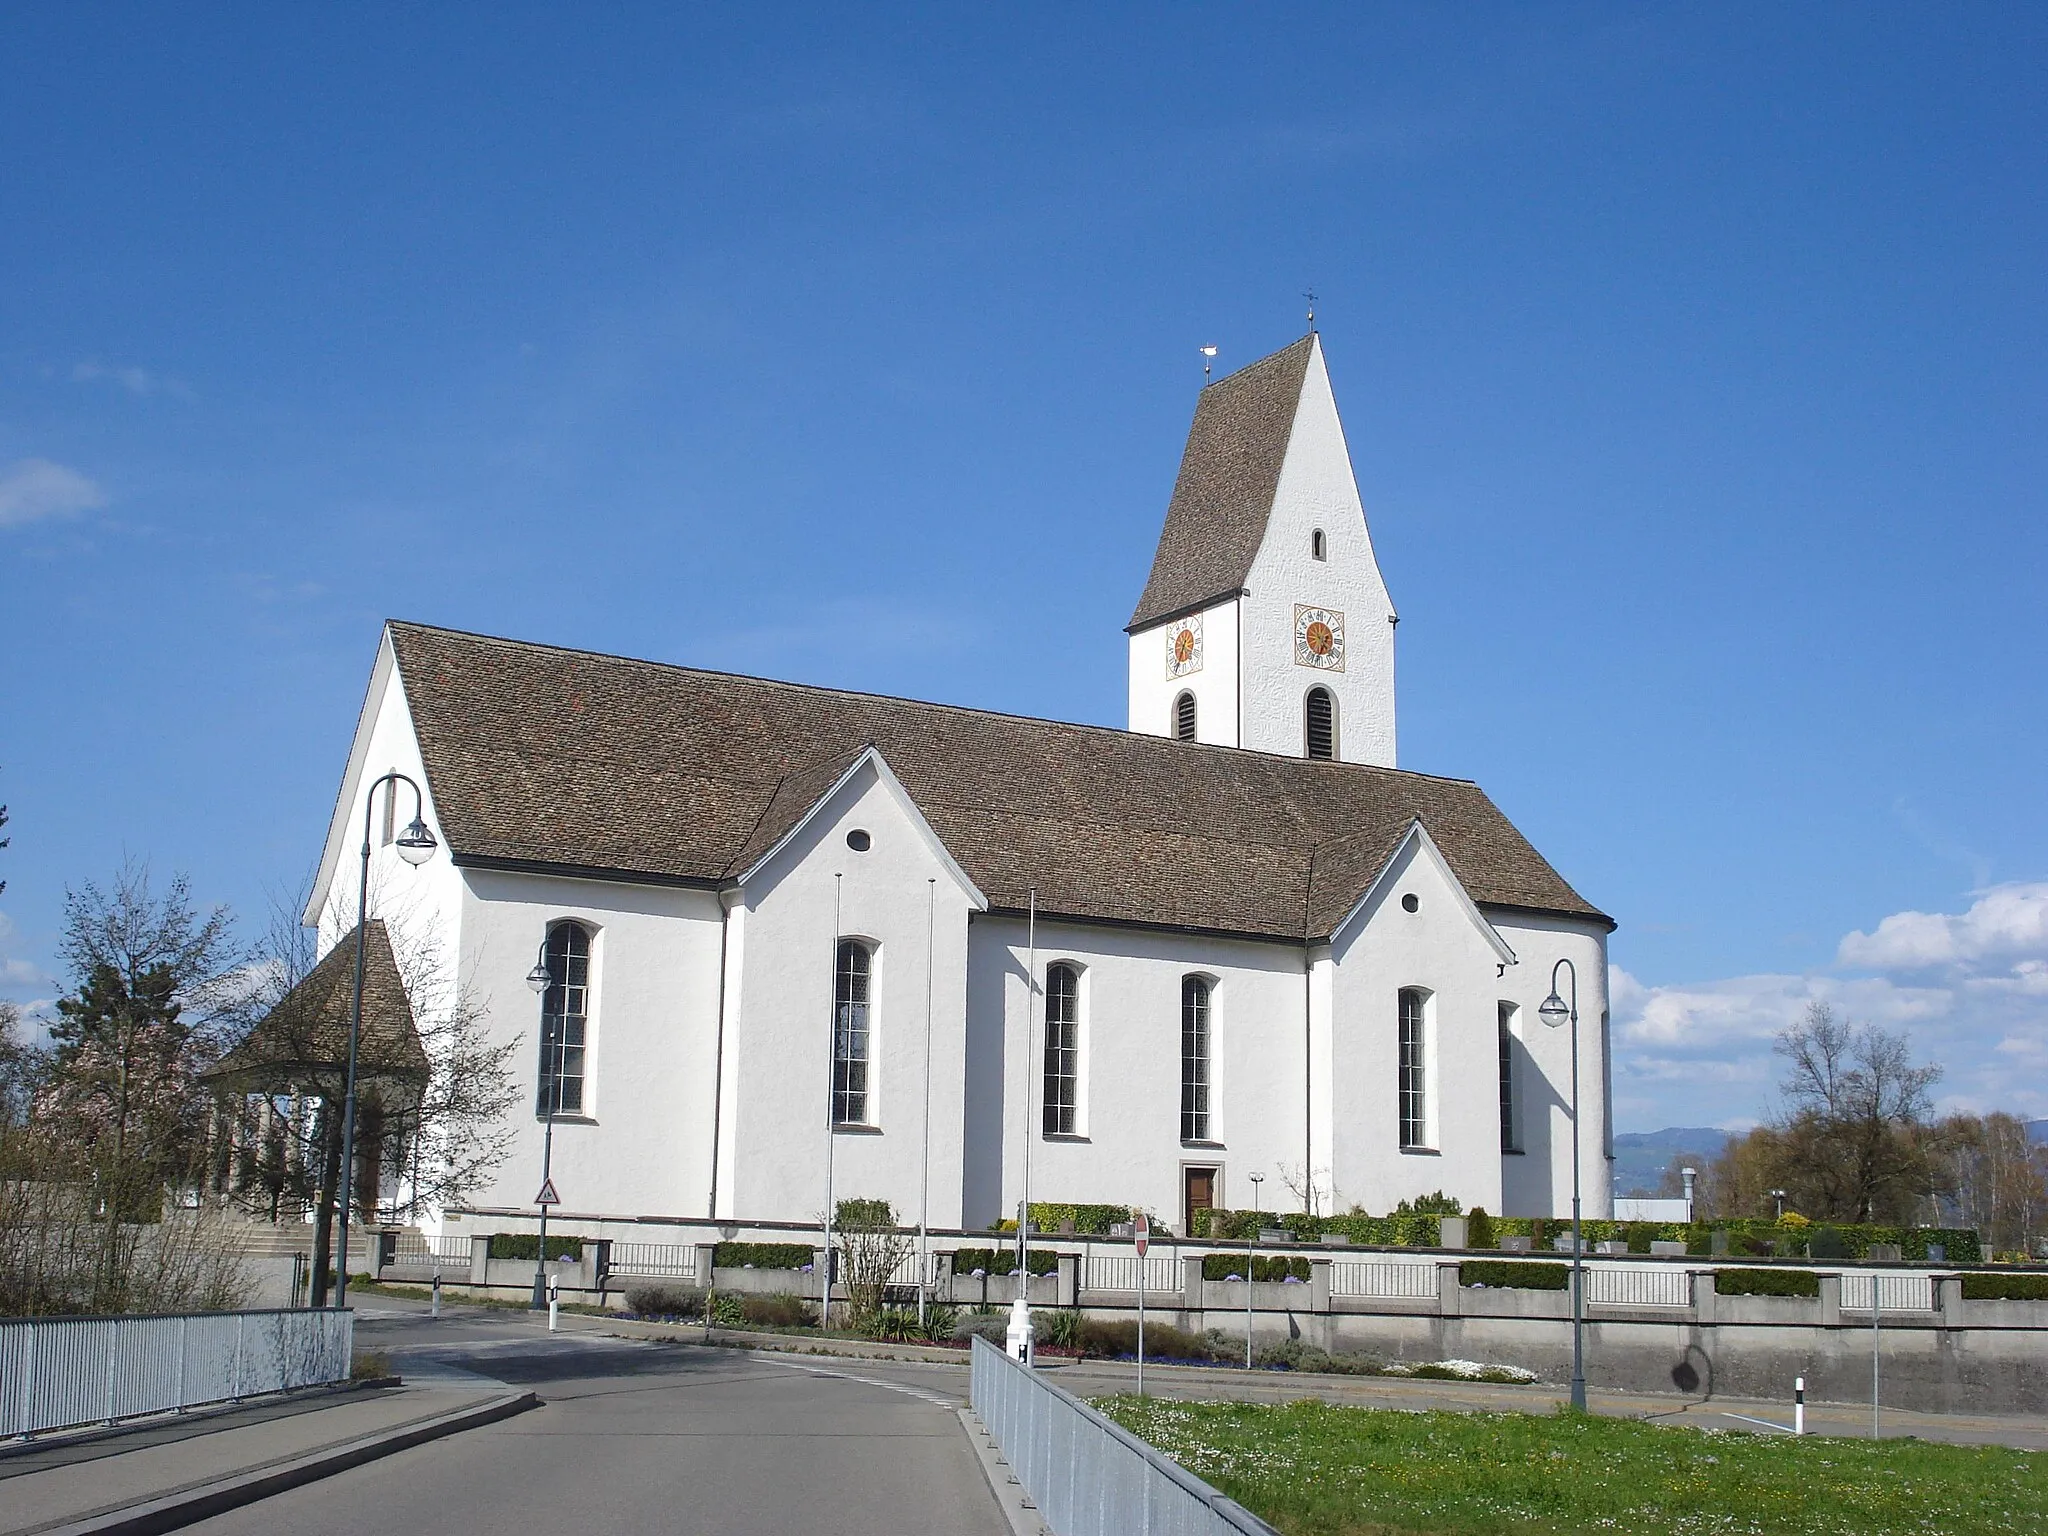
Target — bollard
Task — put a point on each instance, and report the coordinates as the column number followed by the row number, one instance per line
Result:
column 1019, row 1334
column 436, row 1312
column 554, row 1302
column 1799, row 1405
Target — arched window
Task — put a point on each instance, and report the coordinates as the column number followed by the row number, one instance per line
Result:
column 853, row 973
column 1194, row 1059
column 1184, row 717
column 1414, row 1085
column 564, row 1016
column 1062, row 1048
column 1318, row 546
column 1510, row 1127
column 1320, row 723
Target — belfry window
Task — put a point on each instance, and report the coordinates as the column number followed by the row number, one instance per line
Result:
column 851, row 1037
column 1414, row 1083
column 1318, row 546
column 1062, row 1048
column 564, row 1018
column 1319, row 713
column 1184, row 717
column 1195, row 1067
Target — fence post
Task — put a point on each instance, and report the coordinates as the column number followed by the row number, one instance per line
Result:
column 113, row 1359
column 184, row 1326
column 235, row 1378
column 28, row 1387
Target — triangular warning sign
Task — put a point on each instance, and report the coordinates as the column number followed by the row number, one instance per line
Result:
column 547, row 1195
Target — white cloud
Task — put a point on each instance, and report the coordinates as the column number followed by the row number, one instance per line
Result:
column 137, row 381
column 37, row 488
column 1966, row 987
column 2004, row 921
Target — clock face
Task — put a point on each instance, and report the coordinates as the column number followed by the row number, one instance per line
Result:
column 1184, row 647
column 1318, row 638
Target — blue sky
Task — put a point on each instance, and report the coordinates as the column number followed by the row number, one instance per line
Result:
column 1692, row 362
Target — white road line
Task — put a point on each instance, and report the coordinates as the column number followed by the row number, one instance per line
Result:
column 949, row 1404
column 1783, row 1429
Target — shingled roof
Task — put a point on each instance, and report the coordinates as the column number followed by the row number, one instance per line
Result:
column 575, row 762
column 304, row 1037
column 1229, row 474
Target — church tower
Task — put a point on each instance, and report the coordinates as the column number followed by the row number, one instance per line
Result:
column 1265, row 623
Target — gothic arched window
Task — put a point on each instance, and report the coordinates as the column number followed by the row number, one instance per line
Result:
column 1320, row 723
column 564, row 1018
column 1195, row 1072
column 851, row 1038
column 1062, row 1049
column 1184, row 717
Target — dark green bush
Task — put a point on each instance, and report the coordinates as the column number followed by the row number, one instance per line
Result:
column 1002, row 1261
column 684, row 1301
column 1479, row 1231
column 1511, row 1275
column 1437, row 1203
column 2005, row 1287
column 1088, row 1220
column 1222, row 1266
column 1766, row 1282
column 763, row 1255
column 1060, row 1329
column 1295, row 1355
column 1119, row 1340
column 526, row 1245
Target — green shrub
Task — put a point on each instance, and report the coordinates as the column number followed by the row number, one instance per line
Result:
column 781, row 1310
column 763, row 1255
column 727, row 1311
column 1060, row 1329
column 1511, row 1275
column 1437, row 1203
column 1002, row 1261
column 940, row 1321
column 2005, row 1287
column 526, row 1245
column 1766, row 1282
column 684, row 1301
column 893, row 1325
column 1118, row 1340
column 1225, row 1266
column 1088, row 1220
column 1479, row 1229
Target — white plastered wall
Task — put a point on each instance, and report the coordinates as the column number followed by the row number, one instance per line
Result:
column 1214, row 685
column 1317, row 490
column 778, row 1043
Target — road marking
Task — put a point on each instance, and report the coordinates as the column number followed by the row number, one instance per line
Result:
column 1783, row 1429
column 947, row 1403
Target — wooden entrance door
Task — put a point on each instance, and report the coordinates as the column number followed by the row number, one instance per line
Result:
column 1200, row 1195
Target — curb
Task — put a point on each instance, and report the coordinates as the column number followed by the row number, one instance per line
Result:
column 215, row 1498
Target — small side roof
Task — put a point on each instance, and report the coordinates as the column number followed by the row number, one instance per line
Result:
column 304, row 1038
column 1229, row 475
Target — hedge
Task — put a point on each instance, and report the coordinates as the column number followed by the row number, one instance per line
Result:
column 1508, row 1275
column 526, row 1245
column 1002, row 1261
column 1766, row 1282
column 763, row 1255
column 1088, row 1220
column 2005, row 1287
column 1230, row 1266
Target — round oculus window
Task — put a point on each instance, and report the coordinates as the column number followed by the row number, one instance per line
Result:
column 858, row 840
column 1410, row 902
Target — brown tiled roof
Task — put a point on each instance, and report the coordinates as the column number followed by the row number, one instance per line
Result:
column 303, row 1040
column 572, row 761
column 1228, row 475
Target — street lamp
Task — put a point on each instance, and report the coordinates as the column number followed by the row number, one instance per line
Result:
column 1556, row 1013
column 1251, row 1264
column 416, row 845
column 540, row 978
column 1779, row 1196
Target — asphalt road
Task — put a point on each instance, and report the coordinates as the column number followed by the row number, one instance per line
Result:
column 643, row 1437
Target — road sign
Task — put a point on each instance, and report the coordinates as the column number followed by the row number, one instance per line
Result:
column 547, row 1195
column 1141, row 1230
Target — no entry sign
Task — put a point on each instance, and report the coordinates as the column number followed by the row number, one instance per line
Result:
column 1141, row 1231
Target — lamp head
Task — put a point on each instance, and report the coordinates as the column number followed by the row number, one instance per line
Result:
column 538, row 978
column 416, row 844
column 1553, row 1011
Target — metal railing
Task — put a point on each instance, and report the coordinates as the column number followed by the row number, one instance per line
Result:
column 1087, row 1476
column 1413, row 1282
column 1613, row 1286
column 1119, row 1272
column 56, row 1372
column 655, row 1261
column 1895, row 1293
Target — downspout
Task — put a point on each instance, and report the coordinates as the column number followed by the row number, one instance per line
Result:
column 1308, row 1073
column 718, row 1051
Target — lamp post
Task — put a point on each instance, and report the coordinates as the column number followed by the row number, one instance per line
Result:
column 1779, row 1196
column 540, row 978
column 415, row 845
column 1555, row 1012
column 1251, row 1264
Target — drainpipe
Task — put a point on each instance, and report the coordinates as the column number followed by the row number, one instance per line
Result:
column 726, row 902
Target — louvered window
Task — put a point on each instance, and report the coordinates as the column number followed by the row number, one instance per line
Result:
column 1184, row 717
column 1321, row 713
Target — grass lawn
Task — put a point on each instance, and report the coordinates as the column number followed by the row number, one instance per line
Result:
column 1314, row 1469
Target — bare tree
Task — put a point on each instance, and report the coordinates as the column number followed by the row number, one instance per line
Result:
column 1990, row 1175
column 871, row 1248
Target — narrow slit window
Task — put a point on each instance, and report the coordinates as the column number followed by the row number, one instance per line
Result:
column 1510, row 1132
column 1414, row 1085
column 1321, row 723
column 1062, row 1049
column 1195, row 1078
column 1318, row 546
column 1184, row 717
column 854, row 973
column 564, row 1018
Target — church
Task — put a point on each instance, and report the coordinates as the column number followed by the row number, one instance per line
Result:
column 796, row 940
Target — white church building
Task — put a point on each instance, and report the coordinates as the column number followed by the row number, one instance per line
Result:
column 1232, row 943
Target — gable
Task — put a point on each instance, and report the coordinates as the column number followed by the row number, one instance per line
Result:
column 1417, row 855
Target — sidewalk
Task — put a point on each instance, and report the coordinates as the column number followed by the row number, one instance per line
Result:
column 161, row 1473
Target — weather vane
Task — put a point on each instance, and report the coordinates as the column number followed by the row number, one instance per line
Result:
column 1310, row 295
column 1208, row 360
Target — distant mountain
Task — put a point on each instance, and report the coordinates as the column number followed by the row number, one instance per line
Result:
column 1640, row 1157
